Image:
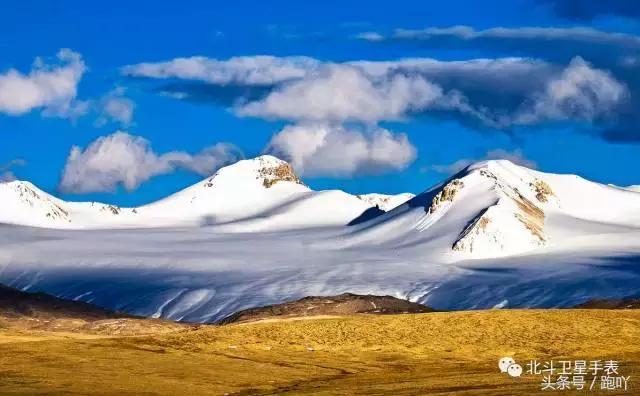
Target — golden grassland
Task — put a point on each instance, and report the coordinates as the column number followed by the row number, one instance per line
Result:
column 433, row 353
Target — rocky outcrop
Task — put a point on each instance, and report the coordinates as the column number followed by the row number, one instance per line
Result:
column 271, row 175
column 542, row 190
column 115, row 210
column 270, row 171
column 447, row 193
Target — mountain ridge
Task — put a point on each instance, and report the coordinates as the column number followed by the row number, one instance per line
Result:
column 236, row 193
column 497, row 208
column 489, row 209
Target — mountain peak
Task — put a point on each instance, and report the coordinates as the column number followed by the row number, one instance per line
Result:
column 495, row 164
column 22, row 199
column 266, row 169
column 265, row 160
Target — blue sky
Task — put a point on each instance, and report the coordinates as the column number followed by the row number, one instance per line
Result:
column 555, row 88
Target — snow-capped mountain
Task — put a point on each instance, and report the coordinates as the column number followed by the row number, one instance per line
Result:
column 386, row 202
column 257, row 194
column 23, row 203
column 494, row 235
column 497, row 208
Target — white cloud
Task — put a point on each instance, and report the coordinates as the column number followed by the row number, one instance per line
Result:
column 51, row 88
column 306, row 89
column 123, row 159
column 515, row 156
column 345, row 93
column 243, row 70
column 370, row 36
column 328, row 150
column 206, row 161
column 580, row 92
column 496, row 93
column 511, row 74
column 116, row 107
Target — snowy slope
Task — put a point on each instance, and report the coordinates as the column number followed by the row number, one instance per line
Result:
column 253, row 194
column 633, row 188
column 386, row 202
column 23, row 203
column 494, row 235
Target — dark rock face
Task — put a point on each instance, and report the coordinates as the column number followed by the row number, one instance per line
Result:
column 343, row 304
column 612, row 303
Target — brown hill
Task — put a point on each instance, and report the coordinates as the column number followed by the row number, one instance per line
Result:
column 41, row 311
column 341, row 305
column 611, row 303
column 15, row 303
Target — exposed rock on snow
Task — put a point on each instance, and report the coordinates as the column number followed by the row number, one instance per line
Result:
column 271, row 174
column 447, row 194
column 543, row 191
column 111, row 208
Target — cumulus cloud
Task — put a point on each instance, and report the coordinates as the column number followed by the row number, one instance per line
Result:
column 580, row 92
column 370, row 92
column 498, row 94
column 495, row 93
column 51, row 88
column 343, row 93
column 121, row 159
column 515, row 156
column 6, row 170
column 116, row 107
column 242, row 70
column 610, row 114
column 316, row 149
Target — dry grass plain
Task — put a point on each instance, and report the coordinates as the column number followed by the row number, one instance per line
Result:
column 433, row 353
